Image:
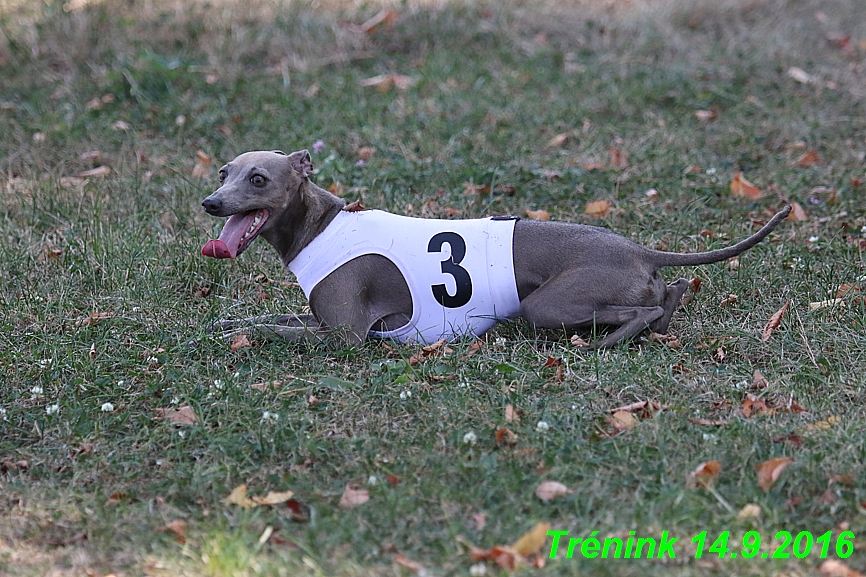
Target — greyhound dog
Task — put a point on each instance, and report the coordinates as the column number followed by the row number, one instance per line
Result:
column 374, row 274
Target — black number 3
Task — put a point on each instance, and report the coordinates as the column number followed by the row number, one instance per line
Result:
column 452, row 266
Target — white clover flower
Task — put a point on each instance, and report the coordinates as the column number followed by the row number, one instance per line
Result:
column 470, row 438
column 372, row 480
column 405, row 395
column 478, row 570
column 501, row 341
column 36, row 391
column 52, row 409
column 542, row 427
column 863, row 230
column 269, row 416
column 175, row 400
column 711, row 171
column 814, row 238
column 107, row 407
column 121, row 383
column 218, row 385
column 3, row 414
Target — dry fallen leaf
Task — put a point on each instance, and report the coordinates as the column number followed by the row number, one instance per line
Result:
column 385, row 18
column 354, row 206
column 550, row 490
column 557, row 141
column 742, row 187
column 385, row 82
column 183, row 415
column 93, row 172
column 623, row 421
column 238, row 497
column 752, row 405
column 202, row 165
column 365, row 153
column 511, row 415
column 759, row 381
column 770, row 471
column 618, row 158
column 353, row 496
column 176, row 528
column 774, row 323
column 750, row 511
column 808, row 158
column 797, row 213
column 94, row 318
column 241, row 341
column 576, row 341
column 834, row 568
column 413, row 566
column 273, row 498
column 540, row 214
column 644, row 409
column 598, row 208
column 706, row 115
column 505, row 437
column 829, row 423
column 532, row 542
column 705, row 474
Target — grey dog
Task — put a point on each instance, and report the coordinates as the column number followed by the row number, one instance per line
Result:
column 554, row 275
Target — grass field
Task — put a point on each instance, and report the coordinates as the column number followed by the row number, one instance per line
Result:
column 119, row 443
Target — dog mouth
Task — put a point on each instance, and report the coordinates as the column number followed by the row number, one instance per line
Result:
column 237, row 234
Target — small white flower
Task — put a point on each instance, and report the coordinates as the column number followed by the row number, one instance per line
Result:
column 218, row 384
column 405, row 395
column 152, row 360
column 45, row 362
column 711, row 171
column 463, row 384
column 36, row 391
column 175, row 400
column 3, row 414
column 181, row 434
column 542, row 427
column 478, row 570
column 107, row 407
column 236, row 375
column 573, row 407
column 372, row 480
column 501, row 341
column 709, row 437
column 269, row 416
column 863, row 230
column 52, row 409
column 814, row 238
column 470, row 438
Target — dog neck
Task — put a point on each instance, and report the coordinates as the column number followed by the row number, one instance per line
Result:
column 307, row 213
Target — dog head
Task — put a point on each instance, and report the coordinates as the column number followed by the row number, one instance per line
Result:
column 253, row 187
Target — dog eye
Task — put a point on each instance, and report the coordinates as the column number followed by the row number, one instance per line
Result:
column 257, row 180
column 222, row 175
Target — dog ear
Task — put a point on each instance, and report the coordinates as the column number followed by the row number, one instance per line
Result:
column 301, row 162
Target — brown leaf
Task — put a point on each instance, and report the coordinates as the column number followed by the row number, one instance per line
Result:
column 202, row 165
column 598, row 208
column 759, row 381
column 742, row 187
column 241, row 341
column 94, row 318
column 472, row 188
column 474, row 348
column 353, row 496
column 558, row 140
column 385, row 18
column 706, row 115
column 552, row 362
column 831, row 421
column 95, row 172
column 551, row 490
column 705, row 474
column 386, row 82
column 670, row 341
column 770, row 471
column 752, row 405
column 540, row 214
column 267, row 386
column 532, row 542
column 354, row 206
column 336, row 189
column 365, row 153
column 298, row 512
column 413, row 566
column 505, row 437
column 238, row 497
column 644, row 409
column 623, row 421
column 731, row 299
column 273, row 498
column 834, row 568
column 808, row 158
column 797, row 213
column 618, row 158
column 576, row 341
column 183, row 415
column 774, row 323
column 511, row 415
column 176, row 528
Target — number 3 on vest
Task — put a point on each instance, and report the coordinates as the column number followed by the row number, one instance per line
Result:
column 452, row 267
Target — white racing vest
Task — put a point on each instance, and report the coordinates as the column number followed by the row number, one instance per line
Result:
column 460, row 272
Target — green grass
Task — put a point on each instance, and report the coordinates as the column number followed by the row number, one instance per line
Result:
column 493, row 84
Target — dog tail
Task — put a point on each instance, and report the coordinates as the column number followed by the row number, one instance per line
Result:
column 683, row 259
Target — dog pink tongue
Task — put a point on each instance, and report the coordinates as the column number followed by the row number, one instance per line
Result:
column 226, row 246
